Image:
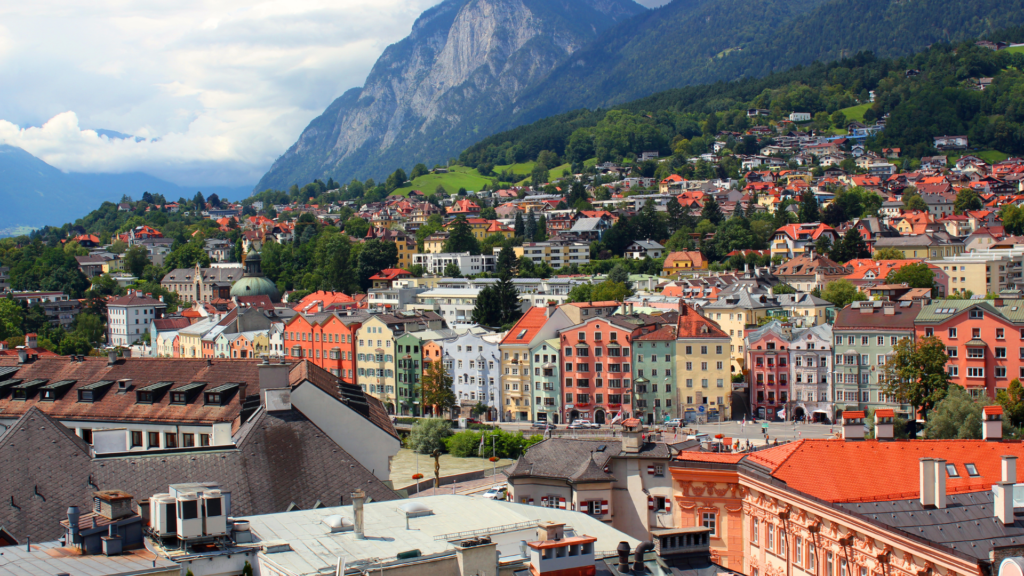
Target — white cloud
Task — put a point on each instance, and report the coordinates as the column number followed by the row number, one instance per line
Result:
column 221, row 86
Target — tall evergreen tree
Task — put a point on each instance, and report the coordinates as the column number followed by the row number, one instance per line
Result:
column 530, row 228
column 854, row 245
column 460, row 237
column 711, row 211
column 506, row 260
column 542, row 229
column 519, row 227
column 808, row 207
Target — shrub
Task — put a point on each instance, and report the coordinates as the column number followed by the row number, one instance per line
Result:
column 464, row 444
column 429, row 434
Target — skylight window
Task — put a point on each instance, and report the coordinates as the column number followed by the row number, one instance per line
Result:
column 951, row 470
column 971, row 470
column 521, row 334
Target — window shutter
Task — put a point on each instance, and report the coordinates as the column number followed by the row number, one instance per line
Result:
column 531, row 501
column 650, row 502
column 668, row 504
column 650, row 469
column 544, row 501
column 561, row 503
column 604, row 506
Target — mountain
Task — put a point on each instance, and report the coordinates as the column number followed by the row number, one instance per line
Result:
column 472, row 68
column 463, row 66
column 35, row 194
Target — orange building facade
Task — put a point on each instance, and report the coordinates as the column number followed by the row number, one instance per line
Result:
column 327, row 340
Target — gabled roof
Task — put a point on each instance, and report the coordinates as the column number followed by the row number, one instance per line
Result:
column 526, row 329
column 692, row 324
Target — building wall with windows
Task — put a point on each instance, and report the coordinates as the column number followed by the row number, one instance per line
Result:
column 711, row 497
column 704, row 378
column 408, row 373
column 375, row 362
column 327, row 340
column 864, row 335
column 984, row 340
column 546, row 380
column 654, row 376
column 597, row 374
column 476, row 371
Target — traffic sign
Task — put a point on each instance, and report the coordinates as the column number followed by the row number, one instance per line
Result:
column 700, row 409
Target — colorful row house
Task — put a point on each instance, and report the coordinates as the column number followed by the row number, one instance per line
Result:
column 790, row 373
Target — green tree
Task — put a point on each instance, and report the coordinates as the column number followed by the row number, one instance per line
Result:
column 461, row 238
column 711, row 211
column 1012, row 401
column 539, row 176
column 418, row 170
column 542, row 229
column 839, row 120
column 618, row 273
column 580, row 293
column 11, row 315
column 519, row 229
column 375, row 256
column 136, row 259
column 437, row 389
column 914, row 201
column 530, row 226
column 854, row 245
column 333, row 261
column 915, row 373
column 888, row 254
column 783, row 289
column 955, row 417
column 966, row 200
column 607, row 291
column 429, row 434
column 808, row 207
column 356, row 227
column 842, row 292
column 918, row 275
column 187, row 256
column 452, row 270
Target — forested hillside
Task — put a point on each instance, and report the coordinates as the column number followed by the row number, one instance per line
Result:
column 942, row 99
column 691, row 42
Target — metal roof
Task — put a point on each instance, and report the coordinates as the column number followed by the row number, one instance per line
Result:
column 155, row 387
column 29, row 384
column 189, row 387
column 49, row 558
column 8, row 370
column 967, row 524
column 314, row 547
column 59, row 384
column 97, row 385
column 224, row 387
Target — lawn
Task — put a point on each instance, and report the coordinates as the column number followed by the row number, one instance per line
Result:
column 457, row 177
column 990, row 156
column 855, row 113
column 521, row 168
column 1015, row 49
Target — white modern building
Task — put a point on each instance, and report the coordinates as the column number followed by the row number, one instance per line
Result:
column 468, row 264
column 129, row 317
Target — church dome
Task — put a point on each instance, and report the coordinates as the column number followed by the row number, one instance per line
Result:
column 253, row 283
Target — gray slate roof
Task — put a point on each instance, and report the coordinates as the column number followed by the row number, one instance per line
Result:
column 967, row 524
column 279, row 458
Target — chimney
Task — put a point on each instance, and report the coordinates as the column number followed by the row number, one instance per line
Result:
column 1003, row 491
column 113, row 504
column 552, row 306
column 74, row 535
column 940, row 483
column 883, row 424
column 992, row 423
column 22, row 355
column 853, row 425
column 111, row 357
column 548, row 531
column 358, row 499
column 927, row 483
column 127, row 353
column 31, row 341
column 477, row 557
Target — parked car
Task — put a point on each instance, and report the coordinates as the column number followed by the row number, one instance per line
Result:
column 496, row 492
column 583, row 425
column 543, row 426
column 674, row 423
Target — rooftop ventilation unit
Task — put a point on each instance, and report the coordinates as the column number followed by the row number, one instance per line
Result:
column 337, row 523
column 163, row 514
column 214, row 516
column 190, row 524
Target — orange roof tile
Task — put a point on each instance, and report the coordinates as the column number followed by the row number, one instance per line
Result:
column 710, row 457
column 527, row 326
column 810, row 466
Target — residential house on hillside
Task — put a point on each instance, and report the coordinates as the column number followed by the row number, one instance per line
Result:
column 683, row 261
column 809, row 271
column 794, row 239
column 644, row 249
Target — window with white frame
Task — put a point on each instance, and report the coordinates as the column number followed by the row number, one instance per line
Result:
column 708, row 520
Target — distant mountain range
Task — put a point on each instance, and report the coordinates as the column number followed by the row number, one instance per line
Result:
column 472, row 68
column 34, row 194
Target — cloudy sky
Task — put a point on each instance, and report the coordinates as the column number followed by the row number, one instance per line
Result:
column 217, row 88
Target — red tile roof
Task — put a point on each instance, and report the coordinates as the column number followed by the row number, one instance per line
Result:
column 531, row 322
column 725, row 458
column 810, row 466
column 692, row 324
column 389, row 274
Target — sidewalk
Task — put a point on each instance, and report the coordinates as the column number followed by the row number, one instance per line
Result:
column 466, row 488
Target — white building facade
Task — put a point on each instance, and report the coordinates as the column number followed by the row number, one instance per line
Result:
column 129, row 317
